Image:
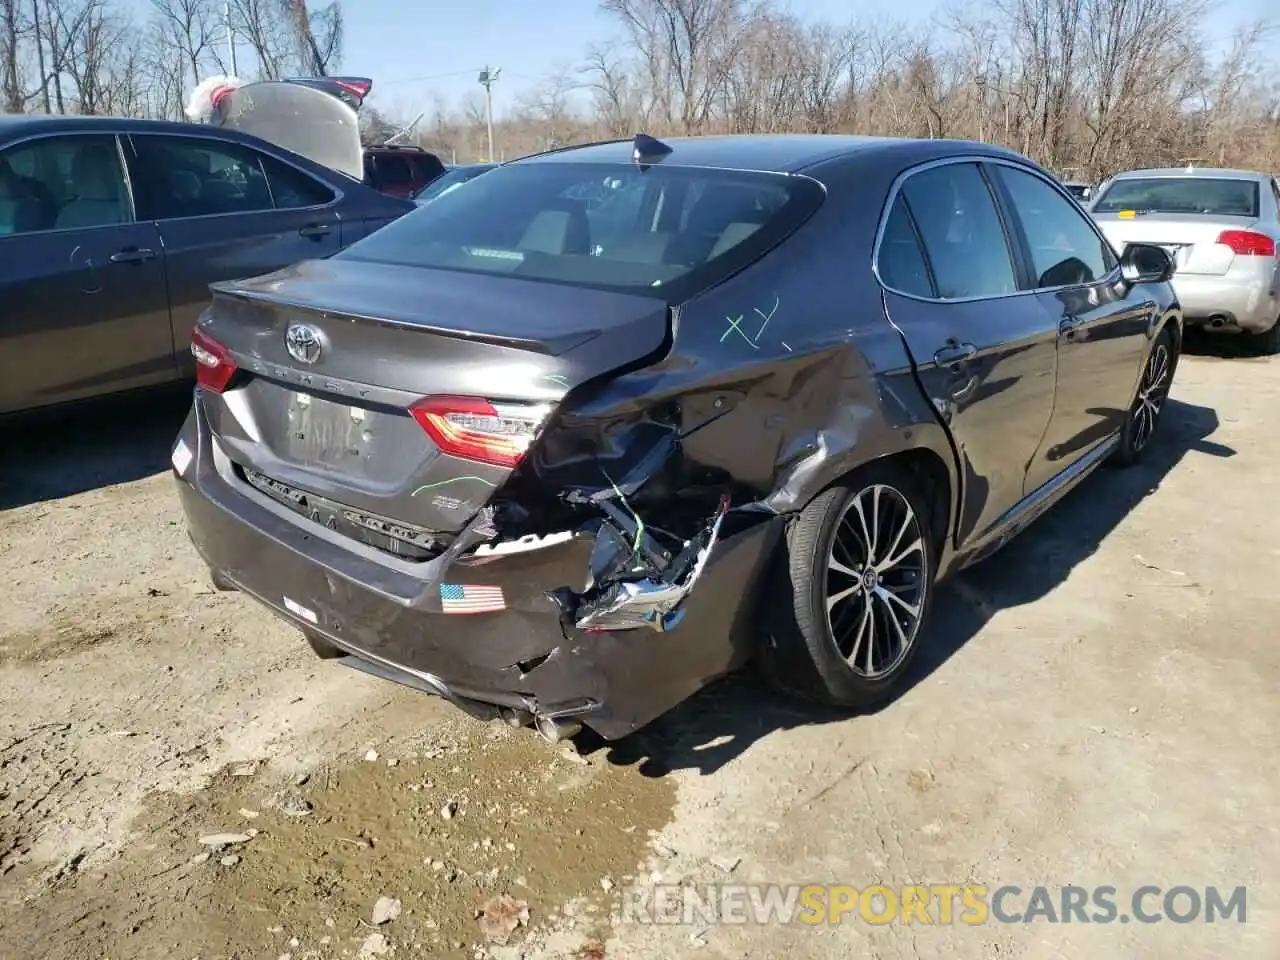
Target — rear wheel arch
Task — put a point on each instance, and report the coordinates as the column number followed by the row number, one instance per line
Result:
column 937, row 481
column 1172, row 323
column 930, row 471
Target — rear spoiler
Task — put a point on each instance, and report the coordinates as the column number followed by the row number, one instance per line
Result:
column 350, row 90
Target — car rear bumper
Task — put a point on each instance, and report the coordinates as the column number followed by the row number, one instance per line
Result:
column 387, row 612
column 1245, row 299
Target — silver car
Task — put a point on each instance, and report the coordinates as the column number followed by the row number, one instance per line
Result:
column 1221, row 226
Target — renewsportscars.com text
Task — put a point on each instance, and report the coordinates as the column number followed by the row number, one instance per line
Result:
column 933, row 904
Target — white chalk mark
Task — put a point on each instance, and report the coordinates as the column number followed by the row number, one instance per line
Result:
column 776, row 302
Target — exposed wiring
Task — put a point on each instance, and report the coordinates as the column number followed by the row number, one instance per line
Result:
column 639, row 535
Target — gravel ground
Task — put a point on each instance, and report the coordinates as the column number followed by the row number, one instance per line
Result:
column 1097, row 706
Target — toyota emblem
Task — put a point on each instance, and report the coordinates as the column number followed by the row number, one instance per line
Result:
column 303, row 342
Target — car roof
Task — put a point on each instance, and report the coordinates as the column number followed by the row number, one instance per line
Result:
column 1207, row 172
column 23, row 125
column 773, row 153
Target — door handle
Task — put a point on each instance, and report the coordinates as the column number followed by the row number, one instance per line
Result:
column 133, row 255
column 315, row 230
column 953, row 353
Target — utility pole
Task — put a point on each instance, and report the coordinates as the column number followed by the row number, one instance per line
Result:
column 231, row 39
column 488, row 76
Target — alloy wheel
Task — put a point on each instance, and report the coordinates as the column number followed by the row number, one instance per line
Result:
column 1152, row 392
column 876, row 581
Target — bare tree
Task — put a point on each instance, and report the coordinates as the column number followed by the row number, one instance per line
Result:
column 92, row 31
column 260, row 23
column 828, row 56
column 688, row 47
column 616, row 92
column 188, row 31
column 289, row 39
column 763, row 87
column 549, row 106
column 13, row 98
column 318, row 36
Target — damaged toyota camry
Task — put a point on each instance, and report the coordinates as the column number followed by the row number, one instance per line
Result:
column 566, row 445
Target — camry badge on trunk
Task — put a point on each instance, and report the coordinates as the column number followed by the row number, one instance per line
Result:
column 303, row 342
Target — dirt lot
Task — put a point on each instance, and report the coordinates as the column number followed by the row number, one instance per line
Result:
column 1098, row 706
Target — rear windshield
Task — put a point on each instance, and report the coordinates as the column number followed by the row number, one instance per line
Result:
column 664, row 230
column 1196, row 195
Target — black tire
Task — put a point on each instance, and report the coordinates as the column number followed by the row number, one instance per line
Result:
column 1143, row 421
column 801, row 653
column 1267, row 343
column 322, row 647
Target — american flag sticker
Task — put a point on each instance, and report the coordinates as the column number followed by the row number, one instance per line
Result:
column 470, row 598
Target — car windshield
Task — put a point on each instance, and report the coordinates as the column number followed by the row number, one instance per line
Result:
column 450, row 180
column 1195, row 195
column 605, row 226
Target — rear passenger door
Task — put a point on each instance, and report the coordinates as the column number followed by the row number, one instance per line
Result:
column 985, row 351
column 226, row 211
column 83, row 309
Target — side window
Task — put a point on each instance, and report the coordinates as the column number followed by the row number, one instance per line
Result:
column 716, row 216
column 291, row 188
column 196, row 177
column 1065, row 250
column 1275, row 189
column 426, row 167
column 62, row 183
column 394, row 170
column 901, row 262
column 961, row 232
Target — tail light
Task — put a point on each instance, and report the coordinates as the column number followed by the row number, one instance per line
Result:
column 358, row 87
column 214, row 366
column 1248, row 243
column 476, row 429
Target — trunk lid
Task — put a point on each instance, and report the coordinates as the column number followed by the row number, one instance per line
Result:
column 333, row 430
column 1191, row 240
column 314, row 118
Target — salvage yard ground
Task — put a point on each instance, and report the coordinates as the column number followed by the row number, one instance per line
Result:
column 1098, row 706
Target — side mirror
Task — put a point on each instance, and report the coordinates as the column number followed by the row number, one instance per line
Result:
column 1146, row 263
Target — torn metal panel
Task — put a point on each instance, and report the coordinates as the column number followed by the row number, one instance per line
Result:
column 652, row 602
column 643, row 675
column 525, row 544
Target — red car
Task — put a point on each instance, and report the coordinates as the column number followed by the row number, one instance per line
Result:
column 400, row 171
